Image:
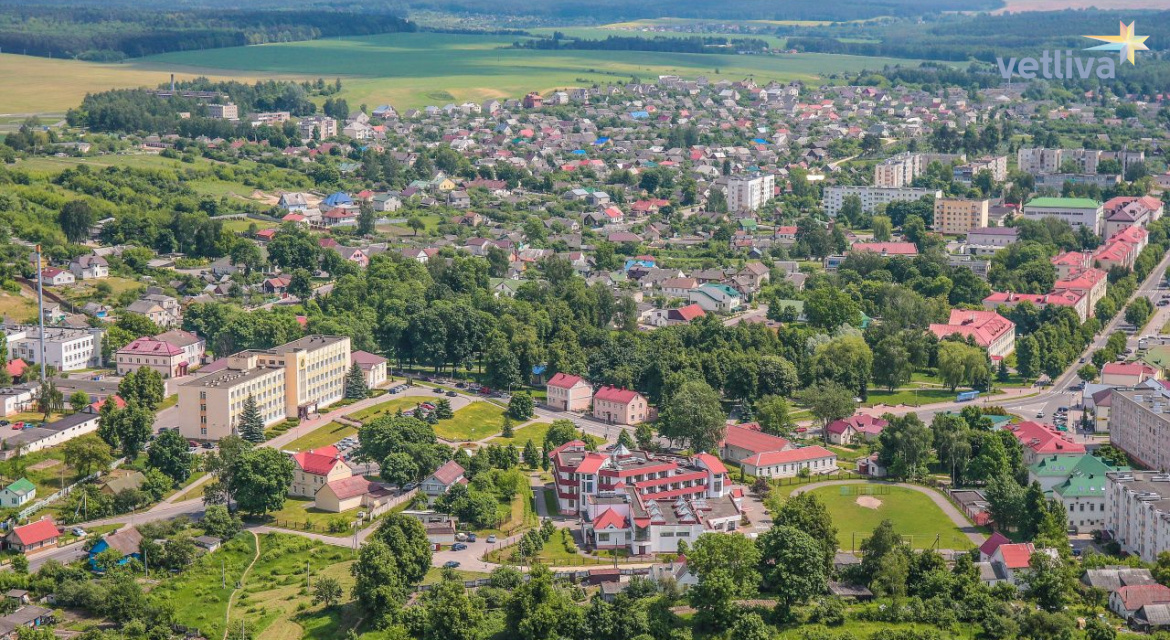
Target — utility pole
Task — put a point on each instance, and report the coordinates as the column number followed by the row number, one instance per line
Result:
column 41, row 315
column 306, row 574
column 222, row 574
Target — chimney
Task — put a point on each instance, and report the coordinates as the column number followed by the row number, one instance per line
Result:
column 172, row 83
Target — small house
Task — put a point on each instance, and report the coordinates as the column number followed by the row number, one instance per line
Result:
column 18, row 493
column 127, row 542
column 34, row 537
column 441, row 481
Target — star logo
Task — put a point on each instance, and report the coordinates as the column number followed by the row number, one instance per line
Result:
column 1124, row 43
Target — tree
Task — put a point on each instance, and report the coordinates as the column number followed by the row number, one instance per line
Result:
column 221, row 523
column 260, row 480
column 50, row 400
column 559, row 432
column 521, row 406
column 87, row 454
column 884, row 541
column 531, row 456
column 449, row 613
column 773, row 415
column 904, row 446
column 144, row 386
column 355, row 383
column 786, row 569
column 222, row 465
column 79, row 400
column 539, row 609
column 850, row 210
column 169, row 454
column 406, row 539
column 626, row 440
column 416, row 224
column 694, row 416
column 251, row 424
column 327, row 591
column 845, row 359
column 399, row 468
column 751, row 626
column 378, row 586
column 132, row 426
column 1048, row 581
column 952, row 441
column 805, row 512
column 1139, row 311
column 891, row 364
column 366, row 219
column 644, row 435
column 75, row 219
column 961, row 364
column 247, row 256
column 882, row 229
column 734, row 553
column 829, row 308
column 443, row 409
column 300, row 284
column 828, row 401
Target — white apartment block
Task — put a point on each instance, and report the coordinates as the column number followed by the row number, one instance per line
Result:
column 326, row 127
column 1078, row 212
column 902, row 169
column 227, row 111
column 65, row 349
column 959, row 215
column 1139, row 424
column 997, row 166
column 293, row 380
column 1137, row 512
column 1038, row 161
column 873, row 197
column 750, row 192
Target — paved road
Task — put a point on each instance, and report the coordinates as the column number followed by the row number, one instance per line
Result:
column 937, row 498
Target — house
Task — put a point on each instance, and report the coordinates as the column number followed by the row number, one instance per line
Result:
column 33, row 538
column 189, row 343
column 148, row 353
column 1014, row 559
column 1126, row 601
column 162, row 310
column 569, row 393
column 440, row 482
column 89, row 268
column 1041, row 440
column 742, row 441
column 716, row 298
column 681, row 315
column 119, row 480
column 373, row 367
column 18, row 493
column 127, row 541
column 813, row 460
column 316, row 468
column 887, row 249
column 55, row 277
column 342, row 495
column 293, row 202
column 18, row 398
column 1127, row 374
column 857, row 427
column 440, row 527
column 458, row 200
column 616, row 405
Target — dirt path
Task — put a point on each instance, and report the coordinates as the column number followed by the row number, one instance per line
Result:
column 974, row 535
column 227, row 615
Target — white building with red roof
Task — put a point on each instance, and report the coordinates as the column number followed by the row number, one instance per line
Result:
column 1092, row 282
column 616, row 405
column 373, row 367
column 861, row 426
column 742, row 441
column 566, row 392
column 315, row 469
column 1075, row 300
column 988, row 329
column 1128, row 374
column 1127, row 600
column 791, row 463
column 167, row 359
column 33, row 537
column 1042, row 440
column 1015, row 559
column 440, row 482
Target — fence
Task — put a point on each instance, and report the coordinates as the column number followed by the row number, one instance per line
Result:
column 372, row 514
column 571, row 576
column 47, row 500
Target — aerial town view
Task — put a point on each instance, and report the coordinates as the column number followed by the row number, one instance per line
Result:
column 565, row 320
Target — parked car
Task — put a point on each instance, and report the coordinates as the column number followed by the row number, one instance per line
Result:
column 461, row 536
column 4, row 423
column 491, row 539
column 452, row 394
column 78, row 531
column 471, row 537
column 208, row 445
column 458, row 546
column 17, row 426
column 451, row 564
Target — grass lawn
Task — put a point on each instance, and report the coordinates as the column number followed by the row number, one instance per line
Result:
column 909, row 397
column 387, row 408
column 556, row 553
column 322, row 436
column 1165, row 329
column 18, row 306
column 191, row 494
column 912, row 513
column 476, row 421
column 521, row 435
column 435, row 574
column 183, row 488
column 849, row 453
column 299, row 513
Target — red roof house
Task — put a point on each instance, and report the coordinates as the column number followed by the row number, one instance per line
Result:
column 847, row 430
column 315, row 469
column 33, row 537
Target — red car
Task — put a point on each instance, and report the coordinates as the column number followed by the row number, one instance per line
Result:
column 485, row 391
column 17, row 426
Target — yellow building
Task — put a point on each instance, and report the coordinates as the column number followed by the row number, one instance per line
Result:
column 959, row 215
column 289, row 381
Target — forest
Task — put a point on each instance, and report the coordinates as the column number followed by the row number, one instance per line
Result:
column 112, row 34
column 693, row 44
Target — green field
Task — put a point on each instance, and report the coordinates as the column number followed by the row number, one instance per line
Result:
column 387, row 408
column 416, row 69
column 914, row 515
column 476, row 421
column 322, row 436
column 521, row 435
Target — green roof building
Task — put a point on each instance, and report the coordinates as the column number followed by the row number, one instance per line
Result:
column 18, row 493
column 1078, row 212
column 1077, row 482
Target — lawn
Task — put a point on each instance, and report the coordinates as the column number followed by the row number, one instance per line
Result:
column 322, row 436
column 534, row 431
column 389, row 407
column 909, row 397
column 914, row 515
column 556, row 553
column 476, row 421
column 18, row 306
column 300, row 514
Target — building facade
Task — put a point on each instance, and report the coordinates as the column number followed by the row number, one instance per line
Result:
column 750, row 192
column 873, row 197
column 959, row 215
column 569, row 393
column 66, row 349
column 149, row 353
column 1078, row 212
column 1137, row 512
column 1139, row 424
column 620, row 406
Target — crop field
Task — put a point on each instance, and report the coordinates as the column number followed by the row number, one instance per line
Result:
column 404, row 69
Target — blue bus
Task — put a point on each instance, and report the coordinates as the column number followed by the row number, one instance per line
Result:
column 967, row 396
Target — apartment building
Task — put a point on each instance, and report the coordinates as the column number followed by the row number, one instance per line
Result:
column 325, row 127
column 902, row 169
column 293, row 380
column 988, row 329
column 1139, row 424
column 227, row 111
column 65, row 349
column 1137, row 512
column 873, row 197
column 1078, row 212
column 1037, row 161
column 149, row 353
column 615, row 405
column 750, row 192
column 997, row 166
column 569, row 393
column 959, row 215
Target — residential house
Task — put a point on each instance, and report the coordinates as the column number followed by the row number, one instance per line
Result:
column 163, row 357
column 615, row 405
column 1128, row 374
column 316, row 468
column 89, row 267
column 856, row 428
column 567, row 392
column 345, row 494
column 55, row 277
column 18, row 494
column 440, row 482
column 716, row 298
column 990, row 331
column 742, row 441
column 33, row 538
column 127, row 542
column 373, row 367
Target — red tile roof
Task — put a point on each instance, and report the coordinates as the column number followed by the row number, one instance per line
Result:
column 803, row 454
column 984, row 326
column 888, row 248
column 861, row 422
column 350, row 487
column 690, row 312
column 564, row 381
column 1016, row 556
column 713, row 463
column 610, row 518
column 151, row 347
column 591, row 463
column 993, row 543
column 750, row 438
column 449, row 473
column 616, row 394
column 1044, row 439
column 318, row 462
column 1135, row 597
column 1129, row 369
column 16, row 367
column 37, row 532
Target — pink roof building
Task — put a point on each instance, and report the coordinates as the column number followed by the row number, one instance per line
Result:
column 990, row 330
column 907, row 249
column 861, row 425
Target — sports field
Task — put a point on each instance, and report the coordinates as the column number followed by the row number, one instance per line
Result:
column 858, row 508
column 403, row 69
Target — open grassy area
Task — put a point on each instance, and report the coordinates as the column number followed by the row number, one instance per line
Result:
column 389, row 407
column 322, row 436
column 299, row 513
column 910, row 397
column 476, row 421
column 521, row 435
column 18, row 306
column 559, row 551
column 914, row 515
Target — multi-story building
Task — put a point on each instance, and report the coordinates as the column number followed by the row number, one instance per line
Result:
column 569, row 393
column 149, row 353
column 1076, row 300
column 1139, row 424
column 959, row 215
column 1039, row 161
column 1078, row 483
column 873, row 197
column 293, row 380
column 996, row 166
column 227, row 111
column 988, row 329
column 615, row 405
column 189, row 343
column 750, row 192
column 641, row 502
column 1123, row 212
column 997, row 237
column 1137, row 512
column 898, row 171
column 325, row 127
column 1078, row 212
column 66, row 349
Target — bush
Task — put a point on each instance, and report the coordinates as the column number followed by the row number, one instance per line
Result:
column 338, row 525
column 829, row 612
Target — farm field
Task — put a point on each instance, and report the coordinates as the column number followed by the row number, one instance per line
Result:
column 416, row 69
column 914, row 514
